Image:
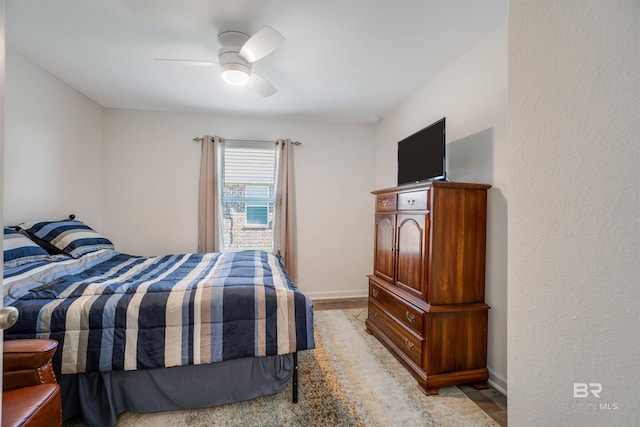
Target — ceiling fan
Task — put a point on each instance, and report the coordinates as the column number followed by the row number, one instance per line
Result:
column 237, row 54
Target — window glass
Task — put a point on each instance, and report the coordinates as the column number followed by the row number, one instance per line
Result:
column 248, row 195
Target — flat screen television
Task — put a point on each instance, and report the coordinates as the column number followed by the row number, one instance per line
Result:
column 421, row 156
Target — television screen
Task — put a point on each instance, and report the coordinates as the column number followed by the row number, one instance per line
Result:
column 421, row 156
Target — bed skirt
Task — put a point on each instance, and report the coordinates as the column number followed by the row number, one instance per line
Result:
column 99, row 397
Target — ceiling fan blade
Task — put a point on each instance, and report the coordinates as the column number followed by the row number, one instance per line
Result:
column 261, row 44
column 190, row 61
column 261, row 86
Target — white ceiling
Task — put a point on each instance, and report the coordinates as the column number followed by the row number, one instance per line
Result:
column 343, row 60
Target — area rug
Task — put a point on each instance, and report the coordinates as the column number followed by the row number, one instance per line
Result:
column 350, row 379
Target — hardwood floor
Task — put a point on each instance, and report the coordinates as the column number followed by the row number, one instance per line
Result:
column 491, row 401
column 340, row 304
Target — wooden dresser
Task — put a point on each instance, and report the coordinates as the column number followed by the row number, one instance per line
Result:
column 426, row 293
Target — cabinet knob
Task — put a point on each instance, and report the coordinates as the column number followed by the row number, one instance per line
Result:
column 385, row 203
column 409, row 344
column 375, row 293
column 374, row 314
column 411, row 201
column 410, row 317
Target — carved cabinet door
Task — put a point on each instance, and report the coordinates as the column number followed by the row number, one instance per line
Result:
column 383, row 263
column 411, row 244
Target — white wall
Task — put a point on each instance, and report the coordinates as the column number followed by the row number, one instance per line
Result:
column 2, row 80
column 151, row 170
column 472, row 95
column 574, row 233
column 2, row 76
column 53, row 148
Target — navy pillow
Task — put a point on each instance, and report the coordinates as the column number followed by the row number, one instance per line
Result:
column 72, row 238
column 19, row 249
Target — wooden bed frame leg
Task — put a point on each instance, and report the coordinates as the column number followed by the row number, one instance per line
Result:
column 294, row 382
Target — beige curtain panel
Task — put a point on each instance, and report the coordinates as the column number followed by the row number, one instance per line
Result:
column 284, row 228
column 209, row 216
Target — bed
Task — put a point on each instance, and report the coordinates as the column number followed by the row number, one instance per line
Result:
column 147, row 334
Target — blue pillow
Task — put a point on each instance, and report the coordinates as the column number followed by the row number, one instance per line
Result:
column 19, row 249
column 72, row 238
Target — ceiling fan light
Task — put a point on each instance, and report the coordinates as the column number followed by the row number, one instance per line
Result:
column 235, row 74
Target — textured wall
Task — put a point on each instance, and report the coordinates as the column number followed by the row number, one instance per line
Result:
column 53, row 148
column 574, row 233
column 151, row 170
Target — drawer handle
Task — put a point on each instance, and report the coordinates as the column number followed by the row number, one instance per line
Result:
column 385, row 203
column 375, row 293
column 409, row 344
column 411, row 201
column 411, row 317
column 374, row 314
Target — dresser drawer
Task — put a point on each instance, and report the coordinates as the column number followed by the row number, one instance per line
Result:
column 410, row 316
column 386, row 202
column 409, row 343
column 414, row 200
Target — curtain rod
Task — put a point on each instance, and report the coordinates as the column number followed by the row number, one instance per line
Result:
column 199, row 139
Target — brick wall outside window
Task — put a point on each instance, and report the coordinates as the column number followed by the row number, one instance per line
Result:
column 238, row 234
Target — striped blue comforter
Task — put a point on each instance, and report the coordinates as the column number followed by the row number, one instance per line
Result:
column 112, row 311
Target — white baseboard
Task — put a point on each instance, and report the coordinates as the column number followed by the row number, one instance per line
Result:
column 356, row 293
column 497, row 382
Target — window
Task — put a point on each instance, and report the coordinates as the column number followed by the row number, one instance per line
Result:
column 257, row 207
column 248, row 195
